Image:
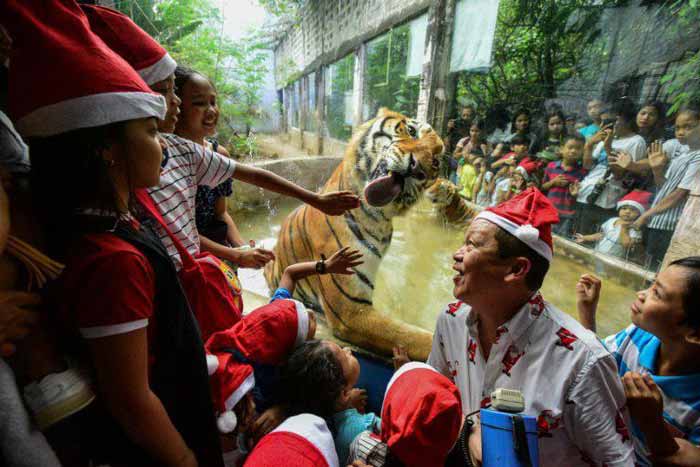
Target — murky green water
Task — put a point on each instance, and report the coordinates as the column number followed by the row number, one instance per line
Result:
column 415, row 278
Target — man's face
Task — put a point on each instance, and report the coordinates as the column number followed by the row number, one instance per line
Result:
column 467, row 113
column 479, row 268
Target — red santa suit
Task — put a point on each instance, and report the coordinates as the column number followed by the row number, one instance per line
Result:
column 568, row 379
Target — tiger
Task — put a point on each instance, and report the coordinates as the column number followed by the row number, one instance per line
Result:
column 389, row 162
column 452, row 209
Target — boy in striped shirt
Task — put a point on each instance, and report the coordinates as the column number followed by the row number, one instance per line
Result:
column 675, row 179
column 658, row 358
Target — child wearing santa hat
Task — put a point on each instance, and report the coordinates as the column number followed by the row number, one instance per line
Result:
column 301, row 441
column 244, row 360
column 215, row 299
column 94, row 140
column 421, row 421
column 618, row 236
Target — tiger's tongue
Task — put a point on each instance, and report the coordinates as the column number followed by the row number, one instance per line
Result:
column 382, row 191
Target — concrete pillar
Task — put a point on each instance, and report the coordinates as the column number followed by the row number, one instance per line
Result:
column 686, row 239
column 303, row 102
column 433, row 96
column 358, row 85
column 320, row 113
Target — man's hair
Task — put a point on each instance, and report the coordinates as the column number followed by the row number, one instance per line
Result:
column 691, row 296
column 313, row 380
column 520, row 139
column 511, row 247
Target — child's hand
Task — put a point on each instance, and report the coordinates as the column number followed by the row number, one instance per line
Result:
column 640, row 222
column 574, row 188
column 255, row 258
column 644, row 399
column 359, row 463
column 657, row 157
column 268, row 421
column 560, row 181
column 336, row 203
column 400, row 357
column 579, row 238
column 687, row 455
column 343, row 261
column 587, row 296
column 621, row 159
column 358, row 399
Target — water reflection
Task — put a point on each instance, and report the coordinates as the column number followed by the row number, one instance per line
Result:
column 414, row 280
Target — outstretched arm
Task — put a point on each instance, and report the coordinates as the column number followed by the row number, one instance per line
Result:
column 341, row 262
column 333, row 204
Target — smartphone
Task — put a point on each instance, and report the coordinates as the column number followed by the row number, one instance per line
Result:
column 608, row 122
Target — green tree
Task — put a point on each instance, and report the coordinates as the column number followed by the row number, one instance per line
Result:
column 538, row 45
column 192, row 32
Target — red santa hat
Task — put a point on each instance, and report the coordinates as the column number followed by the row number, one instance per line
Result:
column 421, row 415
column 266, row 335
column 132, row 43
column 229, row 383
column 300, row 441
column 63, row 77
column 640, row 200
column 528, row 217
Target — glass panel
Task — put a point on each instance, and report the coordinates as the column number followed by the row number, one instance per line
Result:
column 386, row 80
column 310, row 123
column 339, row 109
column 577, row 66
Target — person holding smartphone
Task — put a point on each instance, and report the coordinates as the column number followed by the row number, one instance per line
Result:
column 603, row 187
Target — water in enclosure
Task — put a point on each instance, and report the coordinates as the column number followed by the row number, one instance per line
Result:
column 414, row 279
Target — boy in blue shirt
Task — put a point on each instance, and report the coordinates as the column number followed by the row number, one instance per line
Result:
column 658, row 358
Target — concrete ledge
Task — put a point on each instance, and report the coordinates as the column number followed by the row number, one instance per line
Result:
column 308, row 172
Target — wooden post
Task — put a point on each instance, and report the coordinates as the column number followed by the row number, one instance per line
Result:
column 358, row 86
column 433, row 96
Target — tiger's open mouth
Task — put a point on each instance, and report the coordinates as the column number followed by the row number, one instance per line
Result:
column 386, row 185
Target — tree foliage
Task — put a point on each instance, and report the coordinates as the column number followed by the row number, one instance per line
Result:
column 538, row 45
column 192, row 32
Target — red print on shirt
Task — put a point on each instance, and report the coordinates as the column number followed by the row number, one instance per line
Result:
column 621, row 427
column 547, row 422
column 452, row 370
column 453, row 307
column 471, row 350
column 566, row 338
column 499, row 332
column 536, row 305
column 510, row 359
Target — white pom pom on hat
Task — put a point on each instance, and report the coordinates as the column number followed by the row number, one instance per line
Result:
column 227, row 422
column 212, row 364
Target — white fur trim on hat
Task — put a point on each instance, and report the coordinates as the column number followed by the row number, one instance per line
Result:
column 302, row 323
column 91, row 111
column 159, row 71
column 523, row 172
column 315, row 430
column 212, row 364
column 405, row 369
column 241, row 391
column 227, row 422
column 632, row 204
column 527, row 234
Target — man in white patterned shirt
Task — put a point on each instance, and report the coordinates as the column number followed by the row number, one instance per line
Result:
column 502, row 334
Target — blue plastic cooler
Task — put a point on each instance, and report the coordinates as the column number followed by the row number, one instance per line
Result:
column 500, row 447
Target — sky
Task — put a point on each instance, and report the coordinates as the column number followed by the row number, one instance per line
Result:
column 240, row 15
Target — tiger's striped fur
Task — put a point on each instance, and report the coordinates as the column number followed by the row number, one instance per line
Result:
column 390, row 142
column 452, row 209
